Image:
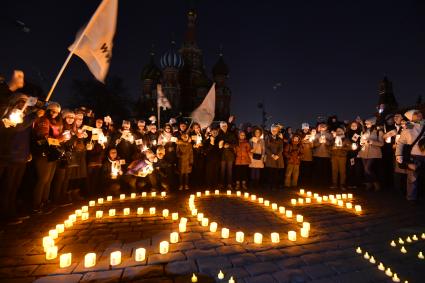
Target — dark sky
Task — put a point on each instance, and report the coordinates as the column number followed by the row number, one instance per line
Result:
column 329, row 55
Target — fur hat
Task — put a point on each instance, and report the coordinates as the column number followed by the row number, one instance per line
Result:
column 409, row 114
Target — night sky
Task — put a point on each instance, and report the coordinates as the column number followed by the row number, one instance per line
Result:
column 328, row 55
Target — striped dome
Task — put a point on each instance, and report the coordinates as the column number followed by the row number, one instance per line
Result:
column 171, row 58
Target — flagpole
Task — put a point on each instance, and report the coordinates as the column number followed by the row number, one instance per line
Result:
column 159, row 114
column 73, row 49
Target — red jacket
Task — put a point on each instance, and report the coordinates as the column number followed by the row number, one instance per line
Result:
column 243, row 151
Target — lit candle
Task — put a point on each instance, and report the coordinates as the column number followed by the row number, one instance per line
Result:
column 407, row 240
column 85, row 208
column 92, row 203
column 393, row 244
column 231, row 280
column 140, row 254
column 292, row 236
column 331, row 197
column 65, row 260
column 72, row 218
column 308, row 200
column 293, row 201
column 175, row 216
column 198, row 194
column 301, row 201
column 225, row 233
column 204, row 222
column 217, row 192
column 253, row 197
column 266, row 203
column 194, row 212
column 388, row 272
column 421, row 255
column 282, row 209
column 395, row 278
column 48, row 242
column 315, row 195
column 220, row 275
column 238, row 193
column 109, row 198
column 403, row 250
column 183, row 220
column 153, row 194
column 309, row 194
column 200, row 216
column 78, row 212
column 258, row 238
column 133, row 195
column 68, row 223
column 194, row 278
column 99, row 214
column 207, row 193
column 152, row 210
column 213, row 227
column 112, row 212
column 51, row 252
column 100, row 200
column 163, row 194
column 144, row 194
column 349, row 205
column 122, row 196
column 400, row 241
column 366, row 255
column 139, row 210
column 359, row 250
column 53, row 234
column 381, row 266
column 239, row 237
column 182, row 227
column 325, row 198
column 350, row 196
column 246, row 195
column 163, row 247
column 275, row 237
column 340, row 203
column 338, row 196
column 372, row 260
column 85, row 216
column 319, row 199
column 344, row 196
column 300, row 218
column 60, row 228
column 302, row 191
column 306, row 225
column 415, row 238
column 260, row 200
column 229, row 192
column 174, row 237
column 274, row 206
column 288, row 213
column 304, row 232
column 358, row 208
column 165, row 213
column 115, row 258
column 334, row 201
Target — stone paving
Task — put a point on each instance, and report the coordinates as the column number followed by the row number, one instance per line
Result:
column 328, row 255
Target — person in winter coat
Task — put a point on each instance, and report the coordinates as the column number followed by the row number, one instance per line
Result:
column 213, row 155
column 371, row 142
column 111, row 172
column 354, row 167
column 243, row 159
column 226, row 141
column 164, row 171
column 124, row 141
column 258, row 153
column 198, row 170
column 274, row 156
column 321, row 155
column 306, row 166
column 340, row 146
column 185, row 160
column 293, row 152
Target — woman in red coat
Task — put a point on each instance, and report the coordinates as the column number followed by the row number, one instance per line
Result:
column 242, row 161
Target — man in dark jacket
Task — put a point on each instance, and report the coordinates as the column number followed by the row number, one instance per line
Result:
column 226, row 141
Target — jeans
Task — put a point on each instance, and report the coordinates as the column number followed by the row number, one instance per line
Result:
column 369, row 165
column 338, row 169
column 45, row 171
column 10, row 179
column 415, row 177
column 291, row 175
column 226, row 171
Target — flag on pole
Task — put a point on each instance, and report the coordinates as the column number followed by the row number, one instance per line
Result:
column 204, row 114
column 95, row 46
column 162, row 100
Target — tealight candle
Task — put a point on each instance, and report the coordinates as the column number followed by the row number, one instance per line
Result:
column 288, row 213
column 393, row 244
column 213, row 227
column 304, row 232
column 99, row 214
column 395, row 278
column 115, row 258
column 204, row 222
column 163, row 194
column 292, row 236
column 246, row 195
column 258, row 238
column 182, row 227
column 144, row 194
column 51, row 252
column 72, row 218
column 358, row 208
column 48, row 242
column 325, row 198
column 388, row 272
column 60, row 228
column 67, row 223
column 275, row 237
column 253, row 197
column 198, row 194
column 338, row 196
column 229, row 192
column 194, row 212
column 175, row 216
column 85, row 208
column 407, row 240
column 421, row 255
column 315, row 195
column 133, row 195
column 126, row 211
column 344, row 196
column 403, row 250
column 207, row 193
column 301, row 201
column 274, row 206
column 225, row 233
column 53, row 233
column 140, row 254
column 100, row 200
column 350, row 196
column 109, row 198
column 239, row 237
column 359, row 250
column 300, row 218
column 319, row 199
column 307, row 200
column 238, row 193
column 349, row 205
column 65, row 260
column 372, row 260
column 306, row 225
column 112, row 212
column 165, row 213
column 194, row 278
column 302, row 191
column 85, row 216
column 381, row 266
column 231, row 280
column 183, row 220
column 400, row 241
column 122, row 196
column 78, row 212
column 415, row 238
column 309, row 194
column 174, row 237
column 220, row 275
column 139, row 210
column 366, row 255
column 293, row 201
column 282, row 209
column 92, row 203
column 340, row 203
column 266, row 203
column 216, row 192
column 331, row 197
column 200, row 216
column 163, row 247
column 260, row 200
column 153, row 194
column 152, row 210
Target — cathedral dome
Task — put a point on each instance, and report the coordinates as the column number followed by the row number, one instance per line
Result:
column 151, row 71
column 171, row 58
column 220, row 68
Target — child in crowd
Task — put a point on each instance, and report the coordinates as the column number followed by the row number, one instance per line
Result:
column 185, row 160
column 258, row 152
column 340, row 146
column 242, row 161
column 111, row 173
column 293, row 152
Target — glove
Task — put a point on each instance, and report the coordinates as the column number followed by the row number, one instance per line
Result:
column 399, row 159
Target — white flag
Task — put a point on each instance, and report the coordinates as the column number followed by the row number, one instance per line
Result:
column 95, row 46
column 204, row 114
column 162, row 100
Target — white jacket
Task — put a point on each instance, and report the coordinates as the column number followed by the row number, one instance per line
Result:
column 408, row 136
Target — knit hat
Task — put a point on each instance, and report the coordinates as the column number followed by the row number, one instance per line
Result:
column 409, row 114
column 67, row 112
column 54, row 106
column 371, row 120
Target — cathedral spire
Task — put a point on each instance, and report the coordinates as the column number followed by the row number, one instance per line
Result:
column 190, row 36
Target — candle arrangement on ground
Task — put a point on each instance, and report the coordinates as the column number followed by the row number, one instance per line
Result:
column 343, row 201
column 411, row 239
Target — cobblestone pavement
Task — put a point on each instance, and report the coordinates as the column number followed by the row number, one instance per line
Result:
column 328, row 255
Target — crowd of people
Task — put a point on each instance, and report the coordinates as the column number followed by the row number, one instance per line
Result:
column 55, row 156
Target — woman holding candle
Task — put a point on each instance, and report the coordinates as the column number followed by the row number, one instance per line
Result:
column 293, row 153
column 355, row 167
column 198, row 170
column 306, row 165
column 274, row 156
column 185, row 160
column 111, row 173
column 242, row 161
column 212, row 158
column 321, row 155
column 340, row 146
column 258, row 152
